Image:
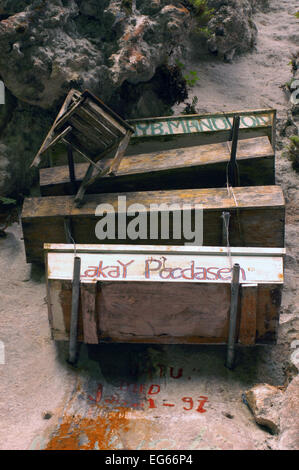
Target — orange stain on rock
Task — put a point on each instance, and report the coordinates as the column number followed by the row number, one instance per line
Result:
column 78, row 433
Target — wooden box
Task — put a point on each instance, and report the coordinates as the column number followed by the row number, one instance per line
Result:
column 256, row 217
column 164, row 295
column 188, row 167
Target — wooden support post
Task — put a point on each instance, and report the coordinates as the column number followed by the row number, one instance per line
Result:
column 233, row 316
column 120, row 153
column 80, row 194
column 75, row 310
column 49, row 136
column 90, row 324
column 71, row 165
column 232, row 166
column 88, row 179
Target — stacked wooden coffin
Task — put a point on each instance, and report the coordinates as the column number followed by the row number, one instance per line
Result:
column 160, row 290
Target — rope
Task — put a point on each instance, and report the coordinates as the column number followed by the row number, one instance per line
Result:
column 231, row 193
column 226, row 216
column 71, row 238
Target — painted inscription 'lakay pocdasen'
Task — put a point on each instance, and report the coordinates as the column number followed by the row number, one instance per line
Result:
column 157, row 269
column 166, row 267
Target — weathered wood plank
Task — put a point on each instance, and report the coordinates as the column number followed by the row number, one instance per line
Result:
column 97, row 124
column 196, row 123
column 50, row 134
column 141, row 313
column 85, row 130
column 144, row 311
column 201, row 166
column 267, row 319
column 257, row 220
column 108, row 117
column 247, row 330
column 179, row 131
column 89, row 315
column 139, row 310
column 108, row 169
column 173, row 264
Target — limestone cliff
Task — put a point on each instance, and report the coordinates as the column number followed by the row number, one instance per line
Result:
column 124, row 51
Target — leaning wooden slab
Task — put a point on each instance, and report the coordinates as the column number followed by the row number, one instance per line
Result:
column 152, row 134
column 190, row 167
column 256, row 217
column 164, row 294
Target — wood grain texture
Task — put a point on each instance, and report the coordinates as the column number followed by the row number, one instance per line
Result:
column 247, row 331
column 268, row 305
column 89, row 315
column 198, row 166
column 128, row 310
column 165, row 313
column 258, row 222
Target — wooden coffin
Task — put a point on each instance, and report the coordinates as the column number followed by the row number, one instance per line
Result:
column 256, row 217
column 158, row 295
column 190, row 167
column 86, row 124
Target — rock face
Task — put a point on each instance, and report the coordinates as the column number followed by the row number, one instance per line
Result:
column 289, row 418
column 87, row 44
column 122, row 50
column 278, row 409
column 233, row 30
column 265, row 401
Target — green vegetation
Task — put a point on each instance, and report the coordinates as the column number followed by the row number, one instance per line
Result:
column 190, row 108
column 297, row 14
column 202, row 11
column 190, row 76
column 7, row 200
column 203, row 14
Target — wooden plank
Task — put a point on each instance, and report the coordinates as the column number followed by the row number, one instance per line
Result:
column 201, row 166
column 247, row 332
column 98, row 124
column 88, row 131
column 140, row 313
column 89, row 315
column 58, row 137
column 144, row 311
column 85, row 137
column 88, row 180
column 108, row 118
column 110, row 264
column 71, row 167
column 154, row 134
column 50, row 134
column 119, row 154
column 267, row 319
column 260, row 214
column 197, row 123
column 108, row 110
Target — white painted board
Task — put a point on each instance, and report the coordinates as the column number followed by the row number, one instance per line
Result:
column 127, row 263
